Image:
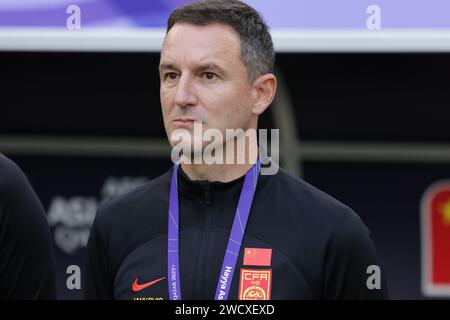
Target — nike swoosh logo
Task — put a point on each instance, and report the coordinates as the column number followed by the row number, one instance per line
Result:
column 138, row 287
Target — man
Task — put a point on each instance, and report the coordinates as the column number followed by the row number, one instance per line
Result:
column 224, row 231
column 27, row 267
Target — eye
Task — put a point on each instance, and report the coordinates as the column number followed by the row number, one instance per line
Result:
column 209, row 75
column 171, row 76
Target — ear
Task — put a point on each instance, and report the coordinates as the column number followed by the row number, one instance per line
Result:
column 264, row 89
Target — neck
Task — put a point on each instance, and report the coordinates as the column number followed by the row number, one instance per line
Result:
column 215, row 172
column 222, row 172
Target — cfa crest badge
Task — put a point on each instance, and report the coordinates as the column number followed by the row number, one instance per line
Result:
column 255, row 284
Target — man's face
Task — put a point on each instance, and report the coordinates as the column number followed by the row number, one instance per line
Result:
column 204, row 79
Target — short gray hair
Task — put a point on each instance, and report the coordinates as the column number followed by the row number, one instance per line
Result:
column 256, row 42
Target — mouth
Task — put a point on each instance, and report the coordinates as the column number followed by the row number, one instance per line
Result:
column 184, row 122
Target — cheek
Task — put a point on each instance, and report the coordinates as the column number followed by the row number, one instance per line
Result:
column 166, row 108
column 241, row 113
column 238, row 105
column 166, row 102
column 226, row 106
column 229, row 102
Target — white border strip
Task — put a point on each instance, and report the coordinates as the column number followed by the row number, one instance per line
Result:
column 109, row 40
column 285, row 40
column 411, row 40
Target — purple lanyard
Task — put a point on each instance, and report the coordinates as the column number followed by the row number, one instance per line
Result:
column 234, row 242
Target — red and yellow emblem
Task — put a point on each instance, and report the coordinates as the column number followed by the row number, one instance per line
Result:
column 255, row 284
column 436, row 240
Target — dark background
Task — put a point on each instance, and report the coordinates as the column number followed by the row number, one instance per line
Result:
column 382, row 98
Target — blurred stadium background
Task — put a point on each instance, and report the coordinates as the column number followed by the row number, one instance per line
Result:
column 363, row 114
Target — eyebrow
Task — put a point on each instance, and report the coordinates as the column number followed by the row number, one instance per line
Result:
column 202, row 67
column 210, row 66
column 166, row 66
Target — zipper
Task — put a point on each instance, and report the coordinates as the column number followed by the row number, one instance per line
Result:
column 202, row 261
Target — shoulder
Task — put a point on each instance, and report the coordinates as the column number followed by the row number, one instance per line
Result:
column 307, row 196
column 332, row 229
column 5, row 163
column 128, row 207
column 124, row 222
column 14, row 186
column 313, row 209
column 10, row 174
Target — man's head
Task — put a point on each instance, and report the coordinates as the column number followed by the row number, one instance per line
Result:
column 257, row 51
column 216, row 66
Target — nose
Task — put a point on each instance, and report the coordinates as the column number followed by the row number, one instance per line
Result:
column 185, row 95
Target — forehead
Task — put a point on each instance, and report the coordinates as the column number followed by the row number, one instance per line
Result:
column 188, row 43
